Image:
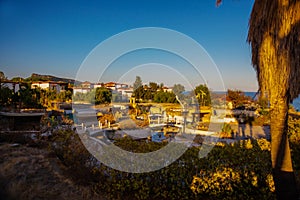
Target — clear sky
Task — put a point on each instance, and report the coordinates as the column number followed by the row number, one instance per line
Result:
column 54, row 37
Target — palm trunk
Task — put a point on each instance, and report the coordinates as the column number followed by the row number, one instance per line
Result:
column 284, row 178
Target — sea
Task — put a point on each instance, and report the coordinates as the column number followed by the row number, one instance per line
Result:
column 295, row 103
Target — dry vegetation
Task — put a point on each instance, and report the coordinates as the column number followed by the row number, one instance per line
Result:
column 33, row 173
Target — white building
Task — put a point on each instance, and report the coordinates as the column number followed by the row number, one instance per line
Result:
column 98, row 85
column 126, row 92
column 84, row 87
column 115, row 86
column 81, row 90
column 166, row 89
column 49, row 85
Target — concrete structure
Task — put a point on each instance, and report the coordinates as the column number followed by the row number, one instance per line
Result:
column 23, row 121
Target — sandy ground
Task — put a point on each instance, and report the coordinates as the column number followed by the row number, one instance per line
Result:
column 31, row 173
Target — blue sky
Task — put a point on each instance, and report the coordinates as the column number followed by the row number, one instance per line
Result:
column 54, row 37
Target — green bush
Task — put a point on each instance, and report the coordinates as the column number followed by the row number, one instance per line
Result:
column 294, row 139
column 238, row 171
column 226, row 131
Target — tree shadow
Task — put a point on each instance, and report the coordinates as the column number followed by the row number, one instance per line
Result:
column 246, row 129
column 241, row 129
column 241, row 132
column 250, row 120
column 267, row 132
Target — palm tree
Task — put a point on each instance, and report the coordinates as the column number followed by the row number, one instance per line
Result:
column 200, row 96
column 274, row 36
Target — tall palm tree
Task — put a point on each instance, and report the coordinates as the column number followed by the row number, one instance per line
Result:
column 201, row 96
column 274, row 36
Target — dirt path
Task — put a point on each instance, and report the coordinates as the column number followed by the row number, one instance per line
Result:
column 31, row 173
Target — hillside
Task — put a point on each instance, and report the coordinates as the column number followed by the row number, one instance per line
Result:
column 40, row 77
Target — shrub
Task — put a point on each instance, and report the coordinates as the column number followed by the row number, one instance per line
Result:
column 294, row 139
column 226, row 131
column 68, row 147
column 238, row 171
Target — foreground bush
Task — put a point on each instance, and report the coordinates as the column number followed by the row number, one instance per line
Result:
column 294, row 138
column 238, row 171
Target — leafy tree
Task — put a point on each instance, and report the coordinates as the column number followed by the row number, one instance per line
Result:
column 64, row 96
column 78, row 97
column 47, row 96
column 29, row 98
column 5, row 93
column 203, row 95
column 161, row 85
column 139, row 92
column 153, row 86
column 160, row 97
column 237, row 97
column 2, row 76
column 178, row 89
column 5, row 96
column 103, row 95
column 16, row 79
column 91, row 97
column 138, row 83
column 149, row 91
column 148, row 94
column 164, row 97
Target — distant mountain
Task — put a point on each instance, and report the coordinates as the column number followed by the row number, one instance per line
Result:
column 39, row 77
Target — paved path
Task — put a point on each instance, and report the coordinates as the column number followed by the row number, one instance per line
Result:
column 245, row 130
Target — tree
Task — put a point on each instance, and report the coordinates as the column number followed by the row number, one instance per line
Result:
column 274, row 36
column 237, row 97
column 17, row 79
column 203, row 95
column 5, row 96
column 178, row 89
column 29, row 98
column 164, row 97
column 103, row 95
column 137, row 83
column 5, row 93
column 139, row 93
column 64, row 96
column 161, row 85
column 2, row 78
column 153, row 86
column 148, row 95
